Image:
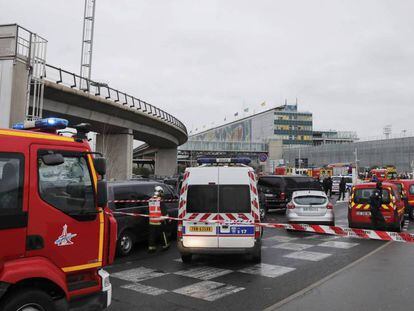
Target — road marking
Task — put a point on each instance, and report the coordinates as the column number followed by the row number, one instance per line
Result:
column 338, row 244
column 293, row 246
column 137, row 274
column 280, row 238
column 267, row 270
column 321, row 237
column 305, row 255
column 208, row 290
column 203, row 273
column 145, row 289
column 302, row 292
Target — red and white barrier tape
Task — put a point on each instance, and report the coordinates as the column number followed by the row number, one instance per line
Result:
column 140, row 201
column 322, row 229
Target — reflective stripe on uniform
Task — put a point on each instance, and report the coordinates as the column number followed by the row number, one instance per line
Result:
column 154, row 209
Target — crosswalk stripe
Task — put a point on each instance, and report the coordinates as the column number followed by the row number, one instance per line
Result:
column 208, row 290
column 266, row 270
column 338, row 244
column 280, row 238
column 145, row 289
column 137, row 274
column 292, row 246
column 305, row 255
column 204, row 273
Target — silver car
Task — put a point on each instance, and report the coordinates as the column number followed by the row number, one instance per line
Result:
column 310, row 207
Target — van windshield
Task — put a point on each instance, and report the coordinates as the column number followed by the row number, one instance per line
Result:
column 218, row 199
column 363, row 196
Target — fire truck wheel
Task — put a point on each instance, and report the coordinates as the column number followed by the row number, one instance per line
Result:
column 125, row 243
column 28, row 300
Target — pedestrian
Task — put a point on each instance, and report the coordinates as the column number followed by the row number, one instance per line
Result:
column 329, row 184
column 377, row 219
column 342, row 189
column 325, row 185
column 157, row 226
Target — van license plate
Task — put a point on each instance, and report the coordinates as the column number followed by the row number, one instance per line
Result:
column 363, row 213
column 200, row 229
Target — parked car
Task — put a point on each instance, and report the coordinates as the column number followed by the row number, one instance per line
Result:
column 275, row 191
column 310, row 207
column 392, row 209
column 135, row 229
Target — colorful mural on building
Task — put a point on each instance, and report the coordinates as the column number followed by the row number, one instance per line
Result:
column 240, row 131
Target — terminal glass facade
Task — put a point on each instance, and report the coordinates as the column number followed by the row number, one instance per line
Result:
column 292, row 126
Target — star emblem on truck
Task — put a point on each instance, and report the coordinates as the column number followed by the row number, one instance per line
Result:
column 65, row 238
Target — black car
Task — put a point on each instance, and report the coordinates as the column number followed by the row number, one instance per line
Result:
column 276, row 191
column 135, row 229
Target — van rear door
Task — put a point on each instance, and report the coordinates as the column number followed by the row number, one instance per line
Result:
column 201, row 206
column 234, row 204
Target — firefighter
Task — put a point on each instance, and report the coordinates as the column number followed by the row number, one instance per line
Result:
column 377, row 219
column 157, row 227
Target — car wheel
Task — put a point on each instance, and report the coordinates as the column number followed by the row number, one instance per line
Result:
column 125, row 243
column 28, row 300
column 262, row 212
column 186, row 258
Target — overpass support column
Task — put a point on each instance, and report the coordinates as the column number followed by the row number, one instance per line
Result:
column 117, row 149
column 166, row 162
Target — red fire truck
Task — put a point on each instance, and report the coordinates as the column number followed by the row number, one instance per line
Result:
column 56, row 233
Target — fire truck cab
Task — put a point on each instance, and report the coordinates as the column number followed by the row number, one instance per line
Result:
column 56, row 233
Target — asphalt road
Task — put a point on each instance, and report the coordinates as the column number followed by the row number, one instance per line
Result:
column 292, row 264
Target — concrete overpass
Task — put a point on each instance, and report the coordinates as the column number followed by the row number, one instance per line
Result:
column 117, row 117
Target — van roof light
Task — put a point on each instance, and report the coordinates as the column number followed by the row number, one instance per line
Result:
column 244, row 161
column 47, row 124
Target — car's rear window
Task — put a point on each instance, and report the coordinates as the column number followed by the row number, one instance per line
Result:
column 303, row 183
column 363, row 196
column 202, row 199
column 310, row 200
column 271, row 182
column 234, row 199
column 218, row 199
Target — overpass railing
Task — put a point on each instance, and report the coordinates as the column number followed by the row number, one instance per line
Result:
column 70, row 79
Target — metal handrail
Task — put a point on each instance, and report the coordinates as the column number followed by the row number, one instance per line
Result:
column 95, row 88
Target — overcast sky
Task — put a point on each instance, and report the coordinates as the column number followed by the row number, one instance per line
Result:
column 350, row 62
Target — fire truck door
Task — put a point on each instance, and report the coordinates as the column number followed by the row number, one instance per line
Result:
column 63, row 217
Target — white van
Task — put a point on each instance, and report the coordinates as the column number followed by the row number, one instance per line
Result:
column 219, row 206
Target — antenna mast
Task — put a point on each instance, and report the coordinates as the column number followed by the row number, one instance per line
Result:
column 87, row 43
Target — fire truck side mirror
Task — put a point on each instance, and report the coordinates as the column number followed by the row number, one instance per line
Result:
column 102, row 196
column 53, row 159
column 100, row 165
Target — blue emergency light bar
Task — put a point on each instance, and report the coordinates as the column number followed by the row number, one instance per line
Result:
column 245, row 161
column 42, row 124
